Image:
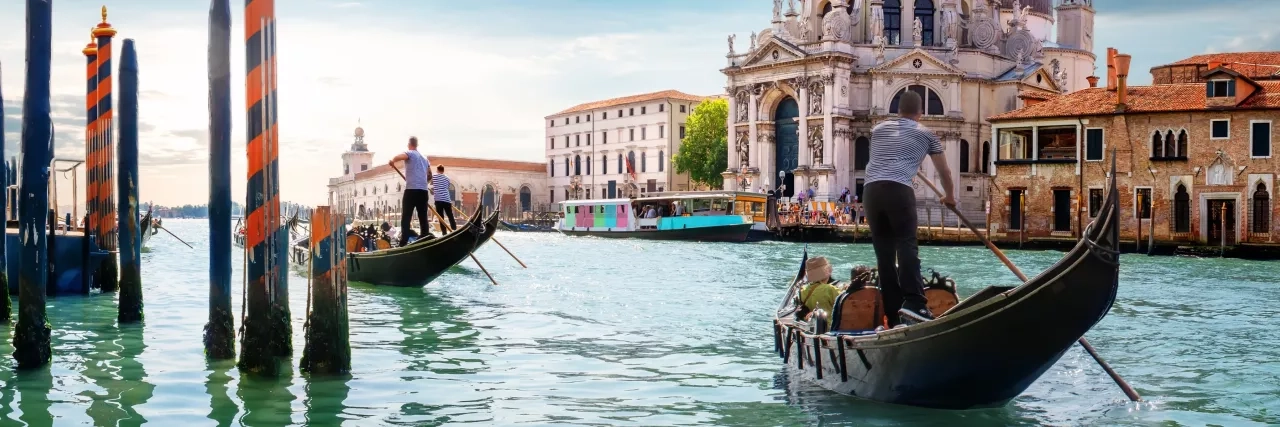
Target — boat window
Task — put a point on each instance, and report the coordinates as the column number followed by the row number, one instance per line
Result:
column 717, row 205
column 575, row 209
column 701, row 205
column 757, row 207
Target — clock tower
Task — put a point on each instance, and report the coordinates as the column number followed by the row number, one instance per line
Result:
column 358, row 158
column 1075, row 24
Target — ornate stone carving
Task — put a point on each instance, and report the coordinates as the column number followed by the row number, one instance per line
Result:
column 950, row 24
column 731, row 37
column 836, row 25
column 984, row 32
column 743, row 145
column 742, row 101
column 877, row 21
column 916, row 32
column 752, row 48
column 1020, row 38
column 855, row 18
column 777, row 10
column 1059, row 76
column 816, row 91
column 806, row 30
column 815, row 143
column 765, row 138
column 791, row 7
column 813, row 182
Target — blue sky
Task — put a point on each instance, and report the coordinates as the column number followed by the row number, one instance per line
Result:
column 469, row 78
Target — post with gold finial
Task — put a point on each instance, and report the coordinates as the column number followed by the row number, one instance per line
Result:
column 104, row 166
column 90, row 137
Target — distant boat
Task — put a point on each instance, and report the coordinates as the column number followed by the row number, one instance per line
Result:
column 707, row 216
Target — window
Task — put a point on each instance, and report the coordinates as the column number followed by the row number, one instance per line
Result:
column 682, row 132
column 588, row 165
column 662, row 131
column 924, row 12
column 662, row 107
column 631, row 112
column 633, row 134
column 588, row 139
column 604, row 115
column 1056, row 143
column 620, row 169
column 551, row 167
column 566, row 120
column 604, row 164
column 1260, row 136
column 1157, row 145
column 861, row 153
column 892, row 11
column 551, row 143
column 364, row 167
column 643, row 134
column 577, row 119
column 619, row 113
column 577, row 140
column 933, row 103
column 1260, row 218
column 1142, row 202
column 662, row 159
column 1015, row 144
column 1220, row 88
column 604, row 137
column 588, row 117
column 566, row 167
column 1181, row 210
column 1170, row 145
column 566, row 141
column 1093, row 146
column 644, row 164
column 681, row 108
column 1220, row 129
column 1095, row 201
column 986, row 156
column 642, row 110
column 1061, row 210
column 964, row 156
column 553, row 123
column 1015, row 209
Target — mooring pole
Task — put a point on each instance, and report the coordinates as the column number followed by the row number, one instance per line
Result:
column 327, row 351
column 130, row 232
column 31, row 337
column 105, row 133
column 267, row 330
column 219, row 333
column 4, row 195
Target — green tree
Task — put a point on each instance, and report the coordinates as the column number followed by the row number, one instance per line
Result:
column 704, row 152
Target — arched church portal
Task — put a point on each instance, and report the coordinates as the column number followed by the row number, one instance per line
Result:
column 786, row 141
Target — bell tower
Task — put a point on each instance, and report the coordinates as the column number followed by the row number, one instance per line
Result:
column 1075, row 24
column 358, row 158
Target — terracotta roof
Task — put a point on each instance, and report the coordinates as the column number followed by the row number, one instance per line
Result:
column 672, row 94
column 1037, row 95
column 464, row 162
column 1141, row 99
column 1251, row 64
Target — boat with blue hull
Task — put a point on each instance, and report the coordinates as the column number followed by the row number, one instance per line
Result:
column 693, row 216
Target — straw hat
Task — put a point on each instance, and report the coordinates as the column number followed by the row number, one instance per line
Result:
column 817, row 269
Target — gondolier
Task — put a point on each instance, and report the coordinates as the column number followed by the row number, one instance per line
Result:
column 898, row 147
column 444, row 200
column 417, row 172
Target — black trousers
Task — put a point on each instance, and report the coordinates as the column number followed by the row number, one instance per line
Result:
column 446, row 209
column 890, row 210
column 414, row 200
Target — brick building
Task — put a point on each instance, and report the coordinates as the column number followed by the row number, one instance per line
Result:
column 1192, row 151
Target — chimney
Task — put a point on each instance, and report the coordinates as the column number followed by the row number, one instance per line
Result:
column 1214, row 64
column 1122, row 74
column 1111, row 68
column 1093, row 81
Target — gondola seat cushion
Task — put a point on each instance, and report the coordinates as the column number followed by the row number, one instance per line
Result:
column 858, row 310
column 355, row 243
column 940, row 300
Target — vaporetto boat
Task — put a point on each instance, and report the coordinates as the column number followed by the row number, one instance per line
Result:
column 695, row 216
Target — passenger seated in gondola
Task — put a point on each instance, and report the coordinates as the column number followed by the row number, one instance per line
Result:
column 821, row 292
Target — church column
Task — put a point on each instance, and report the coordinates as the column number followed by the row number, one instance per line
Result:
column 828, row 108
column 731, row 124
column 802, row 94
column 753, row 133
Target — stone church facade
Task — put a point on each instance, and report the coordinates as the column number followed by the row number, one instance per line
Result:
column 807, row 90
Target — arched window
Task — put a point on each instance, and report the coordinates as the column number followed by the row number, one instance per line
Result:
column 661, row 160
column 924, row 12
column 986, row 156
column 644, row 164
column 1170, row 145
column 620, row 169
column 1182, row 143
column 1181, row 210
column 932, row 105
column 861, row 153
column 892, row 21
column 588, row 165
column 964, row 156
column 577, row 165
column 604, row 164
column 566, row 166
column 631, row 162
column 1261, row 210
column 1157, row 146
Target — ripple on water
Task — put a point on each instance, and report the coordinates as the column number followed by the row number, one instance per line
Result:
column 634, row 333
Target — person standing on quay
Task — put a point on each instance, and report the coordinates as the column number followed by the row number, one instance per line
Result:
column 417, row 172
column 898, row 147
column 444, row 200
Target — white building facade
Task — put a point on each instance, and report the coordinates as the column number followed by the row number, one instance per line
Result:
column 368, row 191
column 593, row 148
column 809, row 88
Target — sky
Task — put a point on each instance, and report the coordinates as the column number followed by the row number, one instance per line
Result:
column 469, row 78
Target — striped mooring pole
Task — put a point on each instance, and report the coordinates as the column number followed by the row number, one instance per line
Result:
column 101, row 187
column 219, row 333
column 328, row 348
column 31, row 346
column 267, row 332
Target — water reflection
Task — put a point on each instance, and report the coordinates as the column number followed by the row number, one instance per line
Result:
column 33, row 394
column 267, row 401
column 325, row 398
column 221, row 408
column 113, row 366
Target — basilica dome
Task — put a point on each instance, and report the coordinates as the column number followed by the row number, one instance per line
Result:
column 359, row 132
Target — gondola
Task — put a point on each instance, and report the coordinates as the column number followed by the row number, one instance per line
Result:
column 149, row 227
column 982, row 352
column 422, row 261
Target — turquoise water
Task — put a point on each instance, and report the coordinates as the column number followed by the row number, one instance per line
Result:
column 625, row 332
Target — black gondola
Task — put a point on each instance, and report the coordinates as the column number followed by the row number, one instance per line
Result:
column 983, row 352
column 148, row 228
column 422, row 261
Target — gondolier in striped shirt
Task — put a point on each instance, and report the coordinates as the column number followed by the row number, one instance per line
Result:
column 898, row 147
column 444, row 200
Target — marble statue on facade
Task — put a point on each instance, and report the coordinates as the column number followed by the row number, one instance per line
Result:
column 731, row 37
column 753, row 42
column 806, row 29
column 916, row 32
column 1218, row 174
column 777, row 10
column 815, row 143
column 744, row 150
column 741, row 108
column 815, row 98
column 877, row 22
column 950, row 24
column 791, row 7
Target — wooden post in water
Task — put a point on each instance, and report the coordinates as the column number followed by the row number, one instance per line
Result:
column 31, row 338
column 219, row 333
column 101, row 167
column 267, row 331
column 130, row 236
column 4, row 240
column 327, row 350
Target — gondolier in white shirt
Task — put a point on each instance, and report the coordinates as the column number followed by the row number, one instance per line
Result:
column 444, row 200
column 417, row 172
column 898, row 147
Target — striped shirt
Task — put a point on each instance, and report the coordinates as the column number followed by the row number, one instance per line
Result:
column 415, row 170
column 898, row 146
column 440, row 186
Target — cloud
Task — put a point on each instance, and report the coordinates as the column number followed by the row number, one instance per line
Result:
column 346, row 5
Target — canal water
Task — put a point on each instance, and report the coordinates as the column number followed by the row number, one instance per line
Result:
column 625, row 332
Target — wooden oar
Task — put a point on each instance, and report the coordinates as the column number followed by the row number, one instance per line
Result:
column 176, row 237
column 442, row 227
column 494, row 239
column 1124, row 385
